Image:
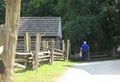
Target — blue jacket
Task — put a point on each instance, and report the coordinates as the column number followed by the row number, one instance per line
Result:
column 85, row 47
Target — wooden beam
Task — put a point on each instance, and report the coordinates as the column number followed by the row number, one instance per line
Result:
column 37, row 50
column 68, row 48
column 27, row 42
column 52, row 52
column 45, row 45
column 63, row 48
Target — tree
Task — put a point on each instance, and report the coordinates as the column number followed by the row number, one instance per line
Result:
column 2, row 11
column 96, row 21
column 39, row 7
column 10, row 38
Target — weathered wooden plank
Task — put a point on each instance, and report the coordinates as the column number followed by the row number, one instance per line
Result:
column 58, row 50
column 52, row 53
column 18, row 53
column 43, row 59
column 68, row 47
column 27, row 44
column 44, row 53
column 45, row 45
column 58, row 53
column 37, row 49
column 45, row 56
column 20, row 60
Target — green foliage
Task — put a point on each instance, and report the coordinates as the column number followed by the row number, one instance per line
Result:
column 2, row 11
column 39, row 7
column 96, row 21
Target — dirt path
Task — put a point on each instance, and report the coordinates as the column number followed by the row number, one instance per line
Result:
column 104, row 71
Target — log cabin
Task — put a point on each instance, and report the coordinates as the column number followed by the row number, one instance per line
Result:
column 48, row 27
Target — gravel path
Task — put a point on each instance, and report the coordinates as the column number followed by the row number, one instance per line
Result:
column 103, row 71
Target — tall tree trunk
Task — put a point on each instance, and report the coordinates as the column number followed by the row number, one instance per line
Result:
column 10, row 38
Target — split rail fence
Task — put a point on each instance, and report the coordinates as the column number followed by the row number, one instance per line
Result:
column 32, row 59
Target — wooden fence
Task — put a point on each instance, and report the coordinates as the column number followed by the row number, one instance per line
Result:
column 49, row 54
column 25, row 58
column 32, row 59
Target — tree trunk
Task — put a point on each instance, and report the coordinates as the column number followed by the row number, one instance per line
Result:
column 10, row 38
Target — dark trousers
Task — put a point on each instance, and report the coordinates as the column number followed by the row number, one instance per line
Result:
column 85, row 55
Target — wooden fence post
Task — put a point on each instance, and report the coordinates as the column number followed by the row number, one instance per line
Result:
column 44, row 44
column 27, row 42
column 113, row 53
column 52, row 52
column 27, row 46
column 68, row 49
column 63, row 48
column 37, row 50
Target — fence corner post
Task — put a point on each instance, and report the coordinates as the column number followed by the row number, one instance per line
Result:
column 68, row 50
column 37, row 50
column 52, row 51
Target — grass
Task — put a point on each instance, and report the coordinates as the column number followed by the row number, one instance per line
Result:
column 45, row 73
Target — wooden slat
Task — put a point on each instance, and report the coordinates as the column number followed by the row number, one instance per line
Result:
column 18, row 53
column 43, row 60
column 58, row 50
column 44, row 52
column 58, row 53
column 45, row 56
column 20, row 60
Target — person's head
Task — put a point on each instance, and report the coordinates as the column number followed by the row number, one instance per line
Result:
column 84, row 42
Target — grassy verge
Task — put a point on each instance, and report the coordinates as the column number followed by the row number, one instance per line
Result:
column 45, row 73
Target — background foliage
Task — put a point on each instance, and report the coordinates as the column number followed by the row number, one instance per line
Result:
column 96, row 21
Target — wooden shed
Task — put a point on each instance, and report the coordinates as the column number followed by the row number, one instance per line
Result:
column 48, row 27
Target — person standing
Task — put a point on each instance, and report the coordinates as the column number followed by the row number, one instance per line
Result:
column 85, row 49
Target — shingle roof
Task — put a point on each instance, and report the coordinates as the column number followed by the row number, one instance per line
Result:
column 49, row 26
